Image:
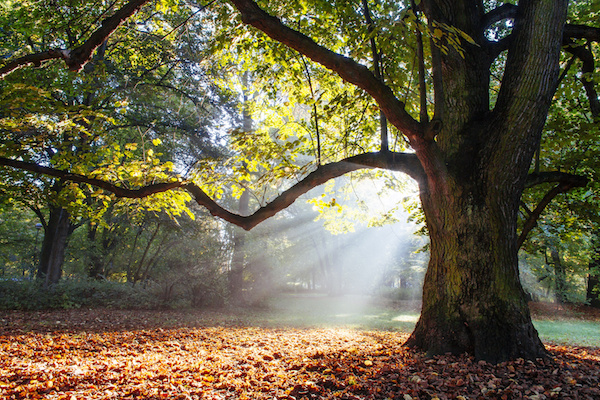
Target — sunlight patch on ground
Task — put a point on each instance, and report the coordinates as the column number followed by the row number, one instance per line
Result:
column 406, row 318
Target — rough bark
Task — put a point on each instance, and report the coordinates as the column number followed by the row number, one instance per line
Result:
column 472, row 297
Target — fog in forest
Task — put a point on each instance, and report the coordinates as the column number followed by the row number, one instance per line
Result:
column 349, row 244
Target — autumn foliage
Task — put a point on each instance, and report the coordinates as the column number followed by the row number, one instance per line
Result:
column 85, row 354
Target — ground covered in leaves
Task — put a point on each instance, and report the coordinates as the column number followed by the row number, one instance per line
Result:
column 108, row 354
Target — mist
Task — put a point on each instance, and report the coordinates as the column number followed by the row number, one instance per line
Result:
column 337, row 252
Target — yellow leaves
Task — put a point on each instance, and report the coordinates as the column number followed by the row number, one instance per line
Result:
column 166, row 6
column 447, row 36
column 130, row 147
column 323, row 206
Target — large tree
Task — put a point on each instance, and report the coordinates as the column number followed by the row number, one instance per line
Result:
column 486, row 78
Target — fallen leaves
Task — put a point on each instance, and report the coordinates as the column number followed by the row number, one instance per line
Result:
column 124, row 355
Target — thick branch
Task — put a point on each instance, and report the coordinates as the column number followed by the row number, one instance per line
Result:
column 505, row 11
column 565, row 181
column 401, row 162
column 573, row 31
column 346, row 68
column 78, row 57
column 117, row 190
column 557, row 177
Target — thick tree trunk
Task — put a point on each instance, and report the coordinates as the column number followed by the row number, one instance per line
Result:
column 472, row 297
column 54, row 246
column 476, row 170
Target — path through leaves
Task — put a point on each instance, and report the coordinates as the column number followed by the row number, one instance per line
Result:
column 160, row 355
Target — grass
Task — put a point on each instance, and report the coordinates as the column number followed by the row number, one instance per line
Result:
column 570, row 332
column 360, row 312
column 562, row 325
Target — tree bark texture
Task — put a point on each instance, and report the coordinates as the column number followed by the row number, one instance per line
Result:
column 52, row 255
column 473, row 300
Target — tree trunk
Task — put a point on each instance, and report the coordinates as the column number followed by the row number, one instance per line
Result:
column 54, row 246
column 593, row 283
column 96, row 262
column 560, row 278
column 476, row 170
column 238, row 262
column 472, row 296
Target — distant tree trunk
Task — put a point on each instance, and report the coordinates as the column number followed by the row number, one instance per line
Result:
column 52, row 256
column 238, row 262
column 560, row 278
column 593, row 283
column 96, row 263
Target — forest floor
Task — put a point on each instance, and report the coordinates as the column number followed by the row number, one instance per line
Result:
column 225, row 354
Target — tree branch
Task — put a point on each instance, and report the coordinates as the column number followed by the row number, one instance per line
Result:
column 557, row 177
column 75, row 59
column 505, row 11
column 573, row 31
column 377, row 70
column 565, row 181
column 110, row 187
column 400, row 162
column 531, row 221
column 423, row 115
column 587, row 69
column 346, row 68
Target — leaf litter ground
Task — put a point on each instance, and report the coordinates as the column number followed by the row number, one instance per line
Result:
column 110, row 354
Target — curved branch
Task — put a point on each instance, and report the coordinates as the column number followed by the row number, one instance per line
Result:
column 345, row 67
column 565, row 181
column 587, row 68
column 573, row 31
column 505, row 11
column 78, row 57
column 400, row 162
column 531, row 221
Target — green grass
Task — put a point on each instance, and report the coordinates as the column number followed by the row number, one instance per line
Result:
column 361, row 312
column 572, row 332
